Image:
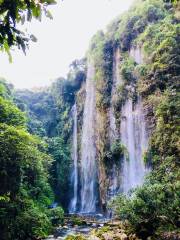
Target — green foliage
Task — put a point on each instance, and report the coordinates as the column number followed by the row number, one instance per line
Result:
column 115, row 154
column 77, row 237
column 101, row 52
column 60, row 169
column 56, row 215
column 134, row 22
column 165, row 140
column 14, row 12
column 151, row 208
column 77, row 221
column 5, row 89
column 126, row 69
column 120, row 97
column 154, row 207
column 24, row 177
column 31, row 223
column 10, row 114
column 41, row 110
column 117, row 150
column 49, row 116
column 25, row 192
column 163, row 54
column 101, row 231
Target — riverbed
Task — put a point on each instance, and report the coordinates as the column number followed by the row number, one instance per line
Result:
column 87, row 225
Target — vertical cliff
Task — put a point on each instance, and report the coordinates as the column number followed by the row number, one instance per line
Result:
column 129, row 74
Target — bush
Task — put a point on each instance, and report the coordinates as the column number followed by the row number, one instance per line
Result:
column 32, row 223
column 56, row 215
column 117, row 150
column 78, row 221
column 150, row 209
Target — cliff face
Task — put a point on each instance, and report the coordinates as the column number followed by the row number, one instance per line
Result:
column 121, row 131
column 132, row 73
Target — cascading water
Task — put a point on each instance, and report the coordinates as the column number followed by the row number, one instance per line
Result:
column 88, row 150
column 136, row 53
column 134, row 137
column 74, row 177
column 124, row 175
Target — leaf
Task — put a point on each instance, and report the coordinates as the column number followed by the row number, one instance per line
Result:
column 33, row 38
column 7, row 49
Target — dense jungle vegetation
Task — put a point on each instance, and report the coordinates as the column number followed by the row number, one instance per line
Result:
column 36, row 128
column 35, row 155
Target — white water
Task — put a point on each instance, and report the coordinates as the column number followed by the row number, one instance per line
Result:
column 135, row 139
column 136, row 54
column 88, row 150
column 74, row 177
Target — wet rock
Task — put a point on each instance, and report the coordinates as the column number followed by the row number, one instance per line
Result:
column 123, row 237
column 51, row 237
column 119, row 230
column 93, row 238
column 114, row 223
column 120, row 236
column 101, row 224
column 170, row 236
column 65, row 227
column 108, row 236
column 133, row 237
column 94, row 224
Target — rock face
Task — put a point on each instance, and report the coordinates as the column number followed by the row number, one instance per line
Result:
column 114, row 175
column 101, row 175
column 170, row 236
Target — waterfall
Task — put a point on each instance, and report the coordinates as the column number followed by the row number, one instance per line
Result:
column 88, row 150
column 74, row 177
column 136, row 54
column 135, row 139
column 133, row 136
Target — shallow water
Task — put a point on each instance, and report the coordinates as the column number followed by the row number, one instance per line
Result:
column 92, row 222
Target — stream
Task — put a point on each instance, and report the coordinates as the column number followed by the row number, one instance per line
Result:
column 89, row 223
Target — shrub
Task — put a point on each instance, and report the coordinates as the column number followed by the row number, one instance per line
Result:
column 56, row 215
column 117, row 149
column 150, row 208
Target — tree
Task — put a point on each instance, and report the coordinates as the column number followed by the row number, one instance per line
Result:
column 25, row 192
column 13, row 12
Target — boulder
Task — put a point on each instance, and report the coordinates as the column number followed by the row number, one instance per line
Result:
column 123, row 236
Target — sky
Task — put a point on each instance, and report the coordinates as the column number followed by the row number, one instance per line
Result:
column 60, row 41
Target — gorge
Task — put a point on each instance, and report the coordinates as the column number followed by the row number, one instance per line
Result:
column 102, row 141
